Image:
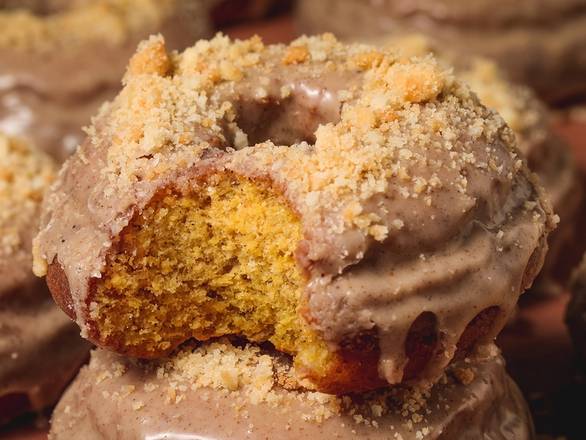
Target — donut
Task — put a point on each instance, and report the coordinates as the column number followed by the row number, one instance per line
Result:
column 70, row 40
column 40, row 348
column 222, row 391
column 576, row 311
column 362, row 213
column 539, row 43
column 547, row 154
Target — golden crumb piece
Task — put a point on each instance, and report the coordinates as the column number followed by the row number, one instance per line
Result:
column 151, row 58
column 419, row 82
column 296, row 55
column 368, row 60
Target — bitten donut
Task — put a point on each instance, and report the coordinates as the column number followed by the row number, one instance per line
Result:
column 576, row 313
column 226, row 392
column 365, row 214
column 547, row 155
column 40, row 348
column 541, row 43
column 61, row 59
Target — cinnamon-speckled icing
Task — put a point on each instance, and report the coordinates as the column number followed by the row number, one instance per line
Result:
column 412, row 195
column 57, row 67
column 547, row 155
column 40, row 348
column 541, row 43
column 222, row 392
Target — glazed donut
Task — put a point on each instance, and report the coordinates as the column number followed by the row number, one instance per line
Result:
column 547, row 155
column 365, row 214
column 222, row 392
column 71, row 39
column 40, row 348
column 576, row 312
column 541, row 43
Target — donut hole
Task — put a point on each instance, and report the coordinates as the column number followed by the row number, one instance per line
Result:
column 217, row 261
column 289, row 120
column 476, row 330
column 420, row 344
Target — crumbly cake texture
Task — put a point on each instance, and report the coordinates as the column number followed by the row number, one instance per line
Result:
column 74, row 23
column 388, row 168
column 547, row 155
column 222, row 391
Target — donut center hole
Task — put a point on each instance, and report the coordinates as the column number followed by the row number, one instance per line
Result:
column 218, row 261
column 288, row 119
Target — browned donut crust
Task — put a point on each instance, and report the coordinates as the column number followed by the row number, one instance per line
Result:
column 540, row 43
column 223, row 391
column 361, row 212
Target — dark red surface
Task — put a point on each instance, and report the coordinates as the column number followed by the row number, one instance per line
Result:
column 537, row 347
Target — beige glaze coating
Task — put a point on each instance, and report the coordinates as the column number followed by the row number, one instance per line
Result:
column 547, row 155
column 40, row 348
column 412, row 195
column 53, row 70
column 223, row 392
column 541, row 43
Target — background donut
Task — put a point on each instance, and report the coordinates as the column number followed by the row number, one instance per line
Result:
column 40, row 348
column 54, row 78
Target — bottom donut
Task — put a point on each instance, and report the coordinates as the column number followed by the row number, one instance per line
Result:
column 222, row 390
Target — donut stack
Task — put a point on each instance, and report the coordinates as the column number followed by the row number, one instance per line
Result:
column 292, row 241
